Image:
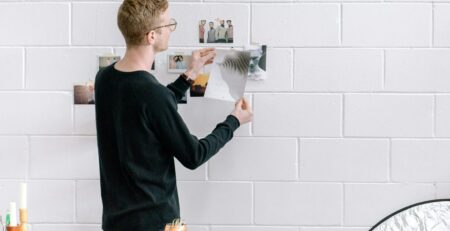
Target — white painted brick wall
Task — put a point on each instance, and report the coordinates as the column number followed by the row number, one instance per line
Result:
column 255, row 159
column 26, row 113
column 88, row 201
column 297, row 114
column 352, row 124
column 12, row 67
column 32, row 23
column 418, row 70
column 209, row 202
column 381, row 115
column 241, row 228
column 342, row 70
column 74, row 64
column 442, row 25
column 443, row 115
column 68, row 157
column 51, row 201
column 387, row 24
column 295, row 24
column 442, row 190
column 298, row 204
column 95, row 24
column 420, row 160
column 346, row 160
column 14, row 153
column 366, row 204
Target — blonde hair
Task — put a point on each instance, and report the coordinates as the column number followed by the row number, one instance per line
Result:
column 137, row 17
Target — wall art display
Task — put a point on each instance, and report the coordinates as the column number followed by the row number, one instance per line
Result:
column 198, row 88
column 257, row 67
column 216, row 31
column 84, row 93
column 178, row 62
column 107, row 59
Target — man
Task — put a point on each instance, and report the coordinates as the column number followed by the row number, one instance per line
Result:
column 221, row 32
column 211, row 33
column 139, row 130
column 229, row 32
column 201, row 31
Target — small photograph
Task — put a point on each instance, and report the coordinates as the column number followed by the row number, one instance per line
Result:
column 215, row 31
column 257, row 67
column 106, row 60
column 198, row 88
column 178, row 62
column 84, row 93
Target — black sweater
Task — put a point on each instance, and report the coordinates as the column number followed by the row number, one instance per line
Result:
column 139, row 132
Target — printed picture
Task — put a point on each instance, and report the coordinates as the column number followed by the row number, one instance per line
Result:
column 229, row 74
column 198, row 88
column 178, row 62
column 215, row 31
column 106, row 60
column 257, row 67
column 84, row 94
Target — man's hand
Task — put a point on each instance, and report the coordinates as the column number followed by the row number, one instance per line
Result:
column 200, row 58
column 243, row 111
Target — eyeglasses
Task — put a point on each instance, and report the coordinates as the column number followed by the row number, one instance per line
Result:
column 172, row 25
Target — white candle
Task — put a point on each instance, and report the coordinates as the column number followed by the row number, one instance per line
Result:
column 12, row 214
column 23, row 196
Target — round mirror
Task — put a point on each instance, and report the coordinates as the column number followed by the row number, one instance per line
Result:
column 425, row 216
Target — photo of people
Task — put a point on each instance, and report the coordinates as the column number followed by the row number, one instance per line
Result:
column 84, row 93
column 217, row 31
column 178, row 62
column 198, row 88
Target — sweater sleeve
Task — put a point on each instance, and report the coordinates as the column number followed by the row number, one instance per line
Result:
column 174, row 135
column 179, row 87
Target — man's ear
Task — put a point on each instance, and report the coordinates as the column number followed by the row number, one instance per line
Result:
column 151, row 37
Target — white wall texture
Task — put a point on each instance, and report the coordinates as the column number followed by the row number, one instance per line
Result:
column 352, row 124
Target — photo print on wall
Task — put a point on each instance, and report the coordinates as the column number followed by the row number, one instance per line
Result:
column 228, row 75
column 257, row 67
column 216, row 31
column 106, row 60
column 198, row 88
column 178, row 62
column 84, row 93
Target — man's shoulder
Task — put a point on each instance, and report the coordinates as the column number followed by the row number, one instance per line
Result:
column 152, row 89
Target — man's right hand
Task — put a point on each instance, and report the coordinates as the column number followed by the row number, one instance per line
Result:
column 243, row 111
column 200, row 58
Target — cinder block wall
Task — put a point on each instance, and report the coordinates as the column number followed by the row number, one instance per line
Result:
column 352, row 124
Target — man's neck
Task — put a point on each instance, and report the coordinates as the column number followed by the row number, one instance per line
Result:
column 136, row 59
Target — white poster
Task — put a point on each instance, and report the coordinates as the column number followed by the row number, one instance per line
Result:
column 228, row 75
